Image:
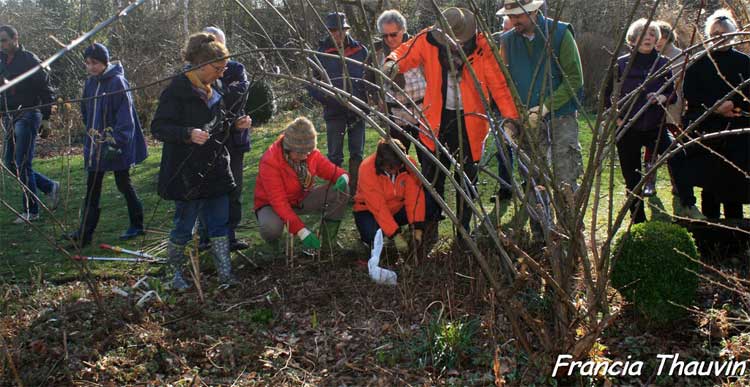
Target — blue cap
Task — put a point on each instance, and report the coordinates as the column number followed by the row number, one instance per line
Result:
column 336, row 20
column 97, row 51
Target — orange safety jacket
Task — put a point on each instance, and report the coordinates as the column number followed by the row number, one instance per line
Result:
column 424, row 50
column 384, row 197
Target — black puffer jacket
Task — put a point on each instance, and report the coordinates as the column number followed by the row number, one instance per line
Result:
column 190, row 171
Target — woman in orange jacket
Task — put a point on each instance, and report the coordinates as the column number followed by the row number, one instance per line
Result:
column 285, row 188
column 389, row 195
column 453, row 105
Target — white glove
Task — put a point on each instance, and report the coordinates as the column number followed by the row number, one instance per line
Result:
column 536, row 113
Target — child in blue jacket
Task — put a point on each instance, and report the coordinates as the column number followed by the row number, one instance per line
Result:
column 114, row 141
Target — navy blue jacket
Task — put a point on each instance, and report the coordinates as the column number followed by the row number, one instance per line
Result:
column 354, row 83
column 33, row 91
column 643, row 65
column 234, row 86
column 116, row 111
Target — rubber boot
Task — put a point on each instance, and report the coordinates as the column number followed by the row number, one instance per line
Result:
column 220, row 248
column 328, row 232
column 353, row 176
column 176, row 259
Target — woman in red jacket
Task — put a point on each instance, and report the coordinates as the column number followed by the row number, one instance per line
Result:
column 284, row 187
column 389, row 195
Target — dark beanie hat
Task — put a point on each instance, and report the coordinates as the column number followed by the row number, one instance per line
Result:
column 300, row 136
column 97, row 51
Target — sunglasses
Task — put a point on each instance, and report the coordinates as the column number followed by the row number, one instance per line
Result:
column 391, row 35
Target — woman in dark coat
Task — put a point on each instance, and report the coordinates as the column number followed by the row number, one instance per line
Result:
column 648, row 129
column 114, row 141
column 195, row 170
column 722, row 182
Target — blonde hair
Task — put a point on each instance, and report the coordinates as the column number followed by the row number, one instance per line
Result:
column 202, row 48
column 635, row 30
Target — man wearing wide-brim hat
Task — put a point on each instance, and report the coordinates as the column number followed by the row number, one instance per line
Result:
column 548, row 86
column 453, row 107
column 546, row 97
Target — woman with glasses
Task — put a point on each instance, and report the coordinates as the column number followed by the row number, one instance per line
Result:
column 195, row 170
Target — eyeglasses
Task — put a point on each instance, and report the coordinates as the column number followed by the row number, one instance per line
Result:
column 391, row 35
column 219, row 69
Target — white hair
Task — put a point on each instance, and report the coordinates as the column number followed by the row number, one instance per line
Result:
column 218, row 33
column 636, row 29
column 722, row 17
column 391, row 16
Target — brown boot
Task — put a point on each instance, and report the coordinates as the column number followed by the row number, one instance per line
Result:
column 353, row 175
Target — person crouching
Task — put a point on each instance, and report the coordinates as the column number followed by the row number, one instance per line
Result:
column 285, row 188
column 389, row 195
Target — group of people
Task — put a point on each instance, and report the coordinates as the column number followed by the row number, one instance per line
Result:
column 670, row 96
column 437, row 88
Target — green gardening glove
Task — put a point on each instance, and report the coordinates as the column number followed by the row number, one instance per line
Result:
column 341, row 184
column 311, row 242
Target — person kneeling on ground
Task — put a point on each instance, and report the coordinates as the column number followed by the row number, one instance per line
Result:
column 389, row 195
column 285, row 188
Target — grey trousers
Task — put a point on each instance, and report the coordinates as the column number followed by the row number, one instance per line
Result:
column 271, row 225
column 561, row 148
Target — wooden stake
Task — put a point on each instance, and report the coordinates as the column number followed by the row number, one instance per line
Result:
column 196, row 268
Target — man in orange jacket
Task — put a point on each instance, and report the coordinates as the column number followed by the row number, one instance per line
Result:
column 455, row 109
column 389, row 195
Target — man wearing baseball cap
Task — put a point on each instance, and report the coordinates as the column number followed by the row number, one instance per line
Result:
column 453, row 106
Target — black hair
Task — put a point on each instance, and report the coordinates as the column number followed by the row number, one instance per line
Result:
column 386, row 157
column 12, row 32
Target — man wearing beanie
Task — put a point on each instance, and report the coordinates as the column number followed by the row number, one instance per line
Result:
column 113, row 142
column 285, row 188
column 23, row 126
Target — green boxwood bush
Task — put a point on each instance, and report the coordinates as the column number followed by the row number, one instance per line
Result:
column 650, row 270
column 261, row 102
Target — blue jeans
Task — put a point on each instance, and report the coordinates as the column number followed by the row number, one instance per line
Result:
column 335, row 130
column 20, row 140
column 213, row 212
column 368, row 226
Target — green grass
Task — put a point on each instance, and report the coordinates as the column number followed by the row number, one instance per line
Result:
column 25, row 250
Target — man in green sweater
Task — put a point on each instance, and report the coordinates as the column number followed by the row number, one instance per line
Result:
column 550, row 86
